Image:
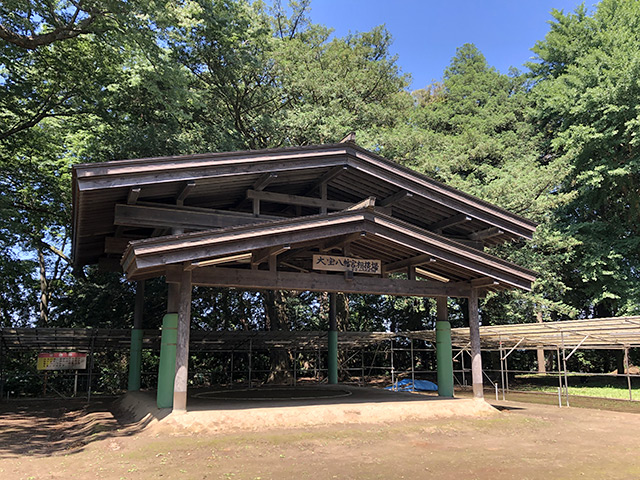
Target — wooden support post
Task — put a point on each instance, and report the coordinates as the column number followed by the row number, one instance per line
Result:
column 474, row 335
column 444, row 354
column 502, row 370
column 135, row 356
column 564, row 363
column 559, row 376
column 626, row 371
column 182, row 344
column 167, row 364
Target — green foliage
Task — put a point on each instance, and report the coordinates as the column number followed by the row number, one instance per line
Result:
column 587, row 108
column 139, row 79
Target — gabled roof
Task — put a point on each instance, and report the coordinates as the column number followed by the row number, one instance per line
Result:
column 114, row 202
column 370, row 235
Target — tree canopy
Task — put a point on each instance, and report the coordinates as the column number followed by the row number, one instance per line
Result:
column 96, row 81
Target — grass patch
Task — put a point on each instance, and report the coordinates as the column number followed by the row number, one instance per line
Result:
column 596, row 392
column 579, row 385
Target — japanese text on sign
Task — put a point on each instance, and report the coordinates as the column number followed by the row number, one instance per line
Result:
column 346, row 264
column 62, row 361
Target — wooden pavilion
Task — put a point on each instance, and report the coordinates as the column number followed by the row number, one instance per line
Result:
column 329, row 218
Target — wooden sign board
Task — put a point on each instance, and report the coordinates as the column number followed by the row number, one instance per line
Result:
column 62, row 361
column 346, row 264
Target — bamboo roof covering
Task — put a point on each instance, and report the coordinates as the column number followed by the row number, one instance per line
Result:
column 603, row 333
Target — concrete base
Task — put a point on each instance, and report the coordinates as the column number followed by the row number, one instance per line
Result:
column 364, row 405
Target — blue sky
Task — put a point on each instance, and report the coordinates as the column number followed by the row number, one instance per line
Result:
column 426, row 32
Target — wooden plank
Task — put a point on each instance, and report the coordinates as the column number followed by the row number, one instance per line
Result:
column 395, row 198
column 286, row 199
column 315, row 282
column 450, row 222
column 168, row 217
column 334, row 263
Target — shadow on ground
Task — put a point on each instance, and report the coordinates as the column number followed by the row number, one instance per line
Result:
column 55, row 426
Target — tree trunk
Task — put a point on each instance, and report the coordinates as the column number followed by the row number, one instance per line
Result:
column 44, row 289
column 276, row 319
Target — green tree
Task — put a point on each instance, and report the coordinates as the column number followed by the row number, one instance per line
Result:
column 587, row 104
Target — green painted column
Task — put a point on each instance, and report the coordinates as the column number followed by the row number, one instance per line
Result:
column 332, row 361
column 167, row 368
column 444, row 355
column 135, row 360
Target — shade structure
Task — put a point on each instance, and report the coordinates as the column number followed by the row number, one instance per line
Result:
column 326, row 218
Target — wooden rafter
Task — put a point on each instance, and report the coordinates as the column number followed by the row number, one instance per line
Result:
column 395, row 198
column 450, row 222
column 184, row 192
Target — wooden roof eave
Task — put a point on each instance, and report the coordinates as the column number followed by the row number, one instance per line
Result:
column 129, row 173
column 176, row 249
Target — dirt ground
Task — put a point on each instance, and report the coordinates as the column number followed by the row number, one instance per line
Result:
column 62, row 440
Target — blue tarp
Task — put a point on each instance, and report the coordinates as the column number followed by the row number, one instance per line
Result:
column 407, row 385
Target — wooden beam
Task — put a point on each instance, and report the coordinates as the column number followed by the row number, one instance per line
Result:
column 184, row 193
column 407, row 262
column 315, row 282
column 484, row 234
column 433, row 276
column 264, row 181
column 169, row 217
column 297, row 200
column 263, row 254
column 450, row 222
column 484, row 282
column 351, row 137
column 182, row 344
column 369, row 202
column 475, row 244
column 134, row 193
column 340, row 242
column 395, row 198
column 474, row 336
column 314, row 230
column 327, row 177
